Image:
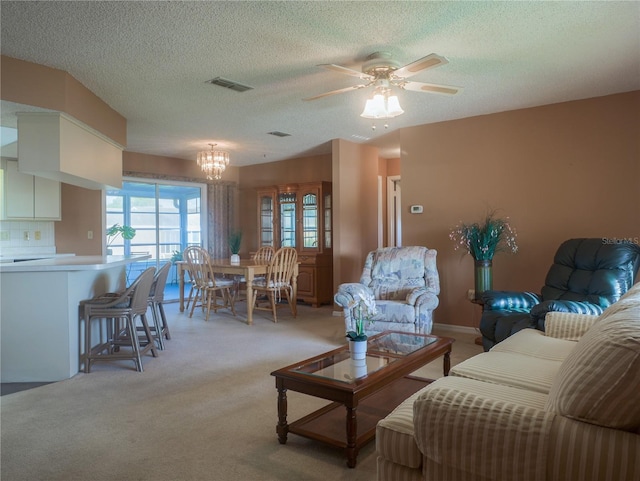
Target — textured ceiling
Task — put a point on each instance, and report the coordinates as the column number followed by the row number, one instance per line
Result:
column 150, row 61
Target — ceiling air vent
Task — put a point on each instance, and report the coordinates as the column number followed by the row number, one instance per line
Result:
column 229, row 84
column 279, row 134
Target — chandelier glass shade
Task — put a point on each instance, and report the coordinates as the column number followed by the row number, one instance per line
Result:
column 382, row 106
column 213, row 162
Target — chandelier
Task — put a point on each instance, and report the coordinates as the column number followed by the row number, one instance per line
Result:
column 213, row 162
column 382, row 105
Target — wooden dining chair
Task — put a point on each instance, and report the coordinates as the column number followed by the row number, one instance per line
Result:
column 278, row 280
column 261, row 256
column 206, row 286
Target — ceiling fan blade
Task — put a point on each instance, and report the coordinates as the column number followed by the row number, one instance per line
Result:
column 346, row 71
column 430, row 61
column 333, row 92
column 431, row 88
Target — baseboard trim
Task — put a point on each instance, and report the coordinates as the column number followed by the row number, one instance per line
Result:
column 453, row 327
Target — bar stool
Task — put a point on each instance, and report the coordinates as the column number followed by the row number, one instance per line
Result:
column 156, row 299
column 120, row 312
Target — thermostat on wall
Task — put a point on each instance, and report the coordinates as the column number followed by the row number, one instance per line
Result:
column 416, row 209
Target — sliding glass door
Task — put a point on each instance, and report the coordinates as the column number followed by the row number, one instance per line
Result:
column 167, row 218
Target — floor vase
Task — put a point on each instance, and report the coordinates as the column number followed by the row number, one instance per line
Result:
column 483, row 277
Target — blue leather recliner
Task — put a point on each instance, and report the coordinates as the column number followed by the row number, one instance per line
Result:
column 586, row 277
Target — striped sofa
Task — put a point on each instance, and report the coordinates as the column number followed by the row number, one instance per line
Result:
column 559, row 405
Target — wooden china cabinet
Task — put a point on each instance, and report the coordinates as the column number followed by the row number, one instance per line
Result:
column 299, row 216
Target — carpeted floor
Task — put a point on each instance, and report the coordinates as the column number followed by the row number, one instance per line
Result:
column 205, row 409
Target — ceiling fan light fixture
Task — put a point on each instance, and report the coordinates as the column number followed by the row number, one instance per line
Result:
column 382, row 106
column 213, row 162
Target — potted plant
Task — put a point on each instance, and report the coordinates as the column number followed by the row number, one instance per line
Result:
column 363, row 308
column 483, row 241
column 176, row 257
column 235, row 238
column 127, row 232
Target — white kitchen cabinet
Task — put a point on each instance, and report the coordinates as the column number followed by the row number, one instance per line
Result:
column 27, row 197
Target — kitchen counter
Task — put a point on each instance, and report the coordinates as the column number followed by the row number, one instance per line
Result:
column 41, row 334
column 71, row 263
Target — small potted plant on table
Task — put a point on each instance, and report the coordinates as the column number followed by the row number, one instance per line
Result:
column 235, row 239
column 363, row 308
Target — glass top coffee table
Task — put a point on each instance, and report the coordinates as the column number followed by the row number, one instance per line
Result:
column 369, row 389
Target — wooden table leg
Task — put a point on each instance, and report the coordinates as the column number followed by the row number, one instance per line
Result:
column 352, row 437
column 249, row 294
column 282, row 427
column 181, row 285
column 447, row 363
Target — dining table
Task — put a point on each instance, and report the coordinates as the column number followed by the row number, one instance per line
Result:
column 248, row 268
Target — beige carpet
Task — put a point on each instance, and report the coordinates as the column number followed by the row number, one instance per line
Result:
column 205, row 409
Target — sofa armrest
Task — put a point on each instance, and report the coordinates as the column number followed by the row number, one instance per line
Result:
column 509, row 300
column 540, row 311
column 348, row 295
column 485, row 437
column 348, row 292
column 568, row 326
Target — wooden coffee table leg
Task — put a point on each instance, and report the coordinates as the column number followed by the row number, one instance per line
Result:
column 282, row 428
column 447, row 362
column 352, row 436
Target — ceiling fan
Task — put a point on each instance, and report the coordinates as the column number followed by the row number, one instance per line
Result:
column 382, row 72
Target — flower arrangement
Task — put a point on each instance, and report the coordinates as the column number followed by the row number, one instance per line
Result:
column 364, row 308
column 482, row 241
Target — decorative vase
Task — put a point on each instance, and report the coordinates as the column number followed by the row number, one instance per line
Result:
column 483, row 277
column 358, row 349
column 235, row 259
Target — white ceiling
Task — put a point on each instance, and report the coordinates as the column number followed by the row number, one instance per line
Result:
column 150, row 61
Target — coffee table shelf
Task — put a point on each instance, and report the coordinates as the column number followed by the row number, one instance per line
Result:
column 368, row 390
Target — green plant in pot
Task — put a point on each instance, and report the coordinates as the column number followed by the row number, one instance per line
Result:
column 127, row 232
column 235, row 239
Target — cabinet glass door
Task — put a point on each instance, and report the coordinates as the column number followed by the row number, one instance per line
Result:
column 266, row 220
column 327, row 221
column 310, row 221
column 287, row 202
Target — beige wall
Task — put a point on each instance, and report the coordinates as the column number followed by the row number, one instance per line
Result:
column 32, row 84
column 82, row 211
column 558, row 171
column 355, row 194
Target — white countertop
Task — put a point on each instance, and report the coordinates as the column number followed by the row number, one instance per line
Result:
column 71, row 263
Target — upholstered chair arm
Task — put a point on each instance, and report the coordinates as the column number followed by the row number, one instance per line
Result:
column 539, row 311
column 567, row 325
column 346, row 298
column 480, row 435
column 509, row 300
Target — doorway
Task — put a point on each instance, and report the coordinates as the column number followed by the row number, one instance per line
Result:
column 394, row 211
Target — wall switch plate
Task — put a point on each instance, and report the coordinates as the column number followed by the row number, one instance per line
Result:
column 471, row 294
column 4, row 235
column 90, row 234
column 37, row 235
column 25, row 235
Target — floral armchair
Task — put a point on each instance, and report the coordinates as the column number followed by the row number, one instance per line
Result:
column 404, row 284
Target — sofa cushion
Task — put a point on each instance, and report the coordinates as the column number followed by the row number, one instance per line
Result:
column 394, row 435
column 598, row 381
column 534, row 343
column 509, row 369
column 482, row 430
